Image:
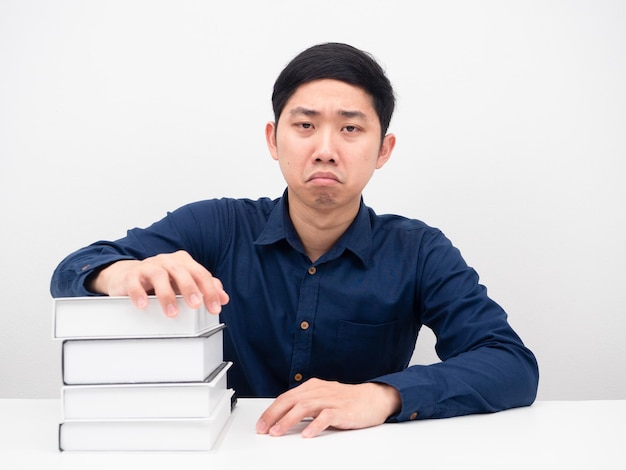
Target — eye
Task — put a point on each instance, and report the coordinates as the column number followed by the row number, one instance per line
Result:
column 305, row 125
column 350, row 129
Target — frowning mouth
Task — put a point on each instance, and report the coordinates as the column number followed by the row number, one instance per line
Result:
column 324, row 177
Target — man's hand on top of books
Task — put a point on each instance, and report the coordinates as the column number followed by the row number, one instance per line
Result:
column 164, row 275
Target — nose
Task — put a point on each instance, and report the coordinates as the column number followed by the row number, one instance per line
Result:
column 325, row 147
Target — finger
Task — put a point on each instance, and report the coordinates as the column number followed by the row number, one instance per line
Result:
column 286, row 411
column 279, row 407
column 166, row 294
column 194, row 282
column 136, row 288
column 185, row 284
column 213, row 293
column 294, row 416
column 322, row 422
column 304, row 393
column 223, row 296
column 151, row 275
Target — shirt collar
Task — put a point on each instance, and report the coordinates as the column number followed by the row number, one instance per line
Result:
column 357, row 238
column 278, row 224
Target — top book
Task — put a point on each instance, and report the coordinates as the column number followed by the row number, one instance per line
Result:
column 117, row 317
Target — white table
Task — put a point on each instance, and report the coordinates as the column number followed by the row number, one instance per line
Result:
column 588, row 435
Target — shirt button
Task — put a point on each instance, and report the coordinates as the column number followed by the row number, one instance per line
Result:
column 304, row 325
column 297, row 377
column 312, row 270
column 413, row 416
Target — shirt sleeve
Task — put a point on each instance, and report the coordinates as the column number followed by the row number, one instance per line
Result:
column 484, row 365
column 191, row 228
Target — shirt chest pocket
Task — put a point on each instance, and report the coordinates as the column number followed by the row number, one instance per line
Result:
column 364, row 351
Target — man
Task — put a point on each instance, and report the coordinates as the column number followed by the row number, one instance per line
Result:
column 322, row 298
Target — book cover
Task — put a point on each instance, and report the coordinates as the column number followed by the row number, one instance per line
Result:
column 134, row 401
column 103, row 316
column 190, row 434
column 141, row 360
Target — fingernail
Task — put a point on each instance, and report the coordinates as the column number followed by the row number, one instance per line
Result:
column 215, row 307
column 261, row 427
column 194, row 299
column 171, row 311
column 275, row 430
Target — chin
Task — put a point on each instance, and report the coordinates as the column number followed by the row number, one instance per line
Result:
column 325, row 200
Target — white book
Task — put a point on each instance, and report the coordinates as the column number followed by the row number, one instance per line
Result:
column 147, row 435
column 163, row 400
column 142, row 360
column 102, row 316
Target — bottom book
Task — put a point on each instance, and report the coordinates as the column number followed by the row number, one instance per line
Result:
column 147, row 435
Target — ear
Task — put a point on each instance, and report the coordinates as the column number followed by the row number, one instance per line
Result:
column 270, row 139
column 384, row 154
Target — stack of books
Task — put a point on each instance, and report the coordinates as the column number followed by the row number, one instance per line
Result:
column 137, row 380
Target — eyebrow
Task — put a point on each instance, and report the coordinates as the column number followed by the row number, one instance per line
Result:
column 302, row 111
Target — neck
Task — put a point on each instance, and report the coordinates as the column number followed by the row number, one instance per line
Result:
column 319, row 229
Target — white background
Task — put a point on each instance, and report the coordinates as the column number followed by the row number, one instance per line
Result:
column 511, row 128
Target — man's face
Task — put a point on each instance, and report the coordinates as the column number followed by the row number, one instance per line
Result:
column 328, row 144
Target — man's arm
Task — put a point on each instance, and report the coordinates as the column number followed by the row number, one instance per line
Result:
column 485, row 366
column 158, row 260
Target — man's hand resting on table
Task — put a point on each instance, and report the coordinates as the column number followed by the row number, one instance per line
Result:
column 330, row 404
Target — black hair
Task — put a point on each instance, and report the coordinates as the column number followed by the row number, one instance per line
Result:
column 341, row 62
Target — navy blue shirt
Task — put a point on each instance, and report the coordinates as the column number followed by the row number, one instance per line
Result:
column 351, row 316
